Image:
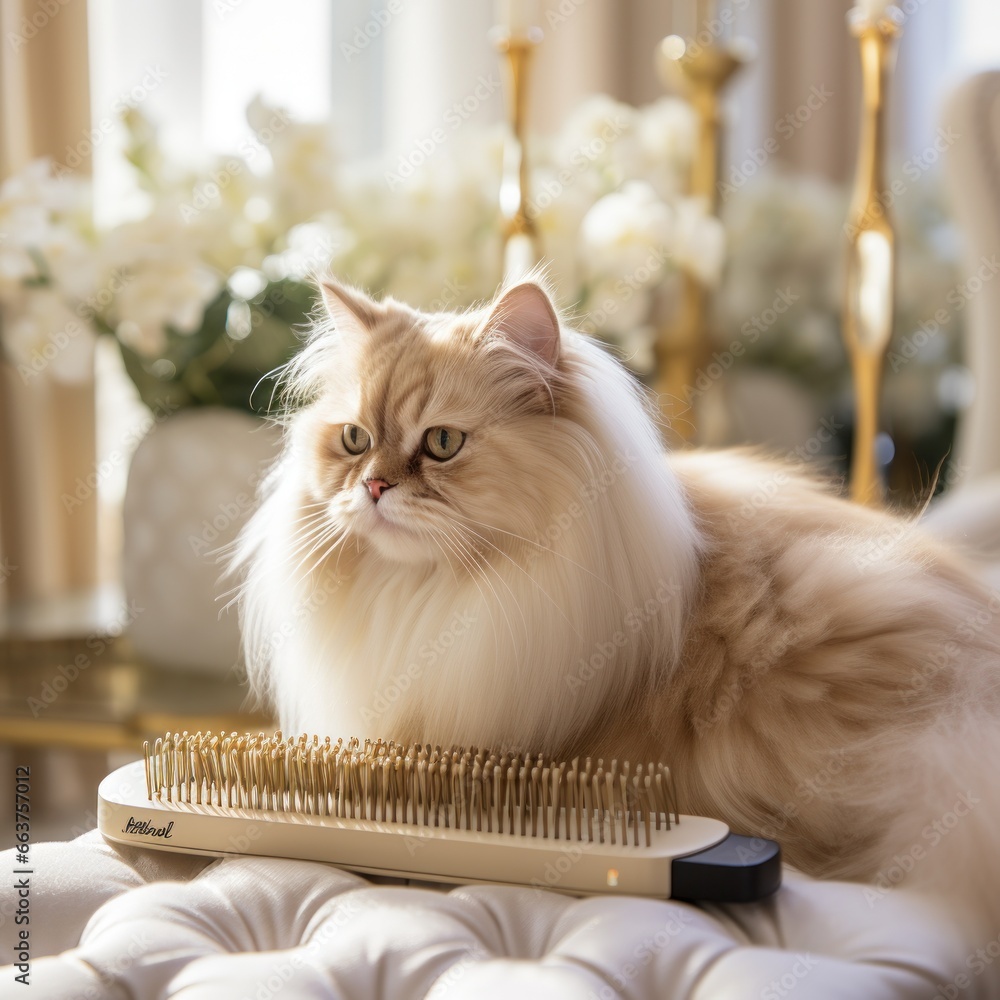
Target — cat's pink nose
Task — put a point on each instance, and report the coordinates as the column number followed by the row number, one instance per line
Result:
column 376, row 487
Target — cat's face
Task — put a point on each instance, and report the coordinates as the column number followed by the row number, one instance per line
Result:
column 429, row 435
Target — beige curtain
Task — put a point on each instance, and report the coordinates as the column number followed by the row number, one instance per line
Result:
column 47, row 429
column 607, row 46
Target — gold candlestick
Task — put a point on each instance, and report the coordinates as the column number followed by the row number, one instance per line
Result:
column 521, row 250
column 868, row 298
column 701, row 72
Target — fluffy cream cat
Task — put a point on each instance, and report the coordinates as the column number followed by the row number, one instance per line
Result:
column 475, row 537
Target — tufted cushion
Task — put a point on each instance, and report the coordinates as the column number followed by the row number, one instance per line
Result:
column 135, row 924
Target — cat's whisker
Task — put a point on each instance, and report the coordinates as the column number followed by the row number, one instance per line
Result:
column 486, row 564
column 309, row 515
column 500, row 603
column 313, row 541
column 548, row 550
column 309, row 521
column 433, row 538
column 514, row 563
column 441, row 543
column 338, row 538
column 486, row 601
column 340, row 555
column 307, row 528
column 318, row 546
column 233, row 594
column 309, row 544
column 476, row 570
column 311, row 528
column 440, row 549
column 311, row 511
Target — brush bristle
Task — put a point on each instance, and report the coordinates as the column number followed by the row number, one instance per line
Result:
column 464, row 789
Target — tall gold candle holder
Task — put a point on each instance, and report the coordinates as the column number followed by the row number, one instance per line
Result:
column 701, row 72
column 521, row 250
column 868, row 297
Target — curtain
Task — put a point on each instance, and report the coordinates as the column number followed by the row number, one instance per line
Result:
column 47, row 428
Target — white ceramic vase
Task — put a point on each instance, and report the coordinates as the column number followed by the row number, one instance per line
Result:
column 191, row 486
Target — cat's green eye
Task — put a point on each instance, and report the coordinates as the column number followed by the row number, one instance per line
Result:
column 442, row 443
column 356, row 439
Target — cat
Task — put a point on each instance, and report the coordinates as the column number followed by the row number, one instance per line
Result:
column 475, row 537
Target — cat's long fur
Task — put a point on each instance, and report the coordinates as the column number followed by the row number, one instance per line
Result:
column 813, row 671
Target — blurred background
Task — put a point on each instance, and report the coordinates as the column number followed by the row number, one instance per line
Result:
column 174, row 173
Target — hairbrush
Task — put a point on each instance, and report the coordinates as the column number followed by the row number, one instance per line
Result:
column 444, row 815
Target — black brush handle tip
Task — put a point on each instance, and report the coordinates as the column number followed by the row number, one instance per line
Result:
column 737, row 870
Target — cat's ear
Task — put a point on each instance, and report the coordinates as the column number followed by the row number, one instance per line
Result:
column 525, row 317
column 351, row 311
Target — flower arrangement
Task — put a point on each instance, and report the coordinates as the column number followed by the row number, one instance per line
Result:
column 208, row 289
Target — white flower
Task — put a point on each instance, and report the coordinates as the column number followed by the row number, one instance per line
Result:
column 311, row 248
column 165, row 293
column 45, row 227
column 783, row 235
column 560, row 211
column 699, row 241
column 149, row 340
column 16, row 267
column 164, row 280
column 595, row 139
column 626, row 231
column 666, row 135
column 616, row 309
column 42, row 335
column 72, row 263
column 305, row 163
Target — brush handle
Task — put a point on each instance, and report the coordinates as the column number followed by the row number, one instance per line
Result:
column 127, row 815
column 737, row 870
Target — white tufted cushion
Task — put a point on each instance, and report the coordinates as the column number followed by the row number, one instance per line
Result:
column 109, row 926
